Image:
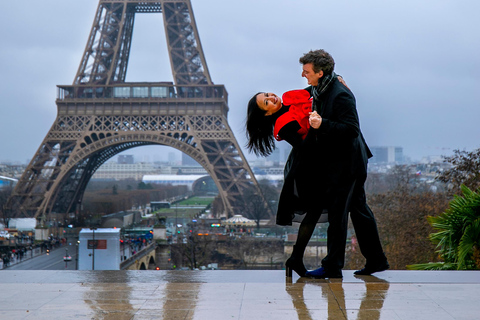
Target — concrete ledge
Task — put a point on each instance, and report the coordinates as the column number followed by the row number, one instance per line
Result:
column 229, row 294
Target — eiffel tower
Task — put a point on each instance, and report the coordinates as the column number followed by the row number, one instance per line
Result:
column 101, row 115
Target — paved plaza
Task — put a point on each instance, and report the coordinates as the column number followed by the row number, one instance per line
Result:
column 242, row 295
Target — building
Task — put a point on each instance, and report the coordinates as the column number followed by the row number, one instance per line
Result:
column 384, row 155
column 6, row 181
column 274, row 156
column 198, row 170
column 12, row 170
column 125, row 159
column 99, row 249
column 121, row 219
column 172, row 158
column 119, row 171
column 189, row 161
column 280, row 154
column 174, row 179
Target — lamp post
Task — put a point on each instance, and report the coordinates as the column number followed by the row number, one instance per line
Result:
column 94, row 244
column 76, row 256
column 176, row 222
column 123, row 244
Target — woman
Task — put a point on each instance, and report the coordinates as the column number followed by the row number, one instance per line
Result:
column 264, row 109
column 268, row 119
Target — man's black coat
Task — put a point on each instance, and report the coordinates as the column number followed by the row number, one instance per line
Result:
column 329, row 159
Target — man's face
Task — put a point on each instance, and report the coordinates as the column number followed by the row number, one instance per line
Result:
column 311, row 76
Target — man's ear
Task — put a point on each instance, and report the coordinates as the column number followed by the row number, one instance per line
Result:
column 320, row 73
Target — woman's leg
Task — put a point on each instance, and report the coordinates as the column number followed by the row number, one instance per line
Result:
column 307, row 226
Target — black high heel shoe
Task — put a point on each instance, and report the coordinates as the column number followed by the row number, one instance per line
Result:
column 296, row 265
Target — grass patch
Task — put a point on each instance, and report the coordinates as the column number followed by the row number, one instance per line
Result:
column 195, row 201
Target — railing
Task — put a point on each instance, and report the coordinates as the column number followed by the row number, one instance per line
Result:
column 29, row 253
column 140, row 254
column 159, row 90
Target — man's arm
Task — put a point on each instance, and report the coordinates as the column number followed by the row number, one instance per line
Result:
column 344, row 119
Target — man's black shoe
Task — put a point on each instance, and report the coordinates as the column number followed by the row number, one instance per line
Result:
column 321, row 273
column 368, row 270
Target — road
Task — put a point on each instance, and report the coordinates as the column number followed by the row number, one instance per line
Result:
column 50, row 261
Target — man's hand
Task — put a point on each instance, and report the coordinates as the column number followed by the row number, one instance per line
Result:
column 315, row 120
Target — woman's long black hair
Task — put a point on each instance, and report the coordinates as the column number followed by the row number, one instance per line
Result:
column 259, row 129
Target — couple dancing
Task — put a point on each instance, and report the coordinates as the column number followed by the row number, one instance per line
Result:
column 326, row 169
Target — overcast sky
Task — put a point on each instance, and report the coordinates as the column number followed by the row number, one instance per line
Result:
column 414, row 65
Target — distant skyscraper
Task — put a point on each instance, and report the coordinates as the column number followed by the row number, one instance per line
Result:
column 386, row 155
column 125, row 159
column 280, row 154
column 188, row 161
column 172, row 157
column 275, row 156
column 286, row 153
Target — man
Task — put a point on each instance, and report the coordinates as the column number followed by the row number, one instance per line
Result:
column 340, row 165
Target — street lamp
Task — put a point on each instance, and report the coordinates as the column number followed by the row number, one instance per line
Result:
column 94, row 244
column 176, row 222
column 76, row 256
column 123, row 244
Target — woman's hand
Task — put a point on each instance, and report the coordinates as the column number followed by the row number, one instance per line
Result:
column 340, row 78
column 315, row 120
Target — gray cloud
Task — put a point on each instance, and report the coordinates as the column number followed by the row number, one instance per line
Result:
column 413, row 65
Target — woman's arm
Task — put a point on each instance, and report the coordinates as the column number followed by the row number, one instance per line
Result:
column 289, row 133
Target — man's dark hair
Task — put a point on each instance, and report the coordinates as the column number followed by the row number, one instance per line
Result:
column 320, row 59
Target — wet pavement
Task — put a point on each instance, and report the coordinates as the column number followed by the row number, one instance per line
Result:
column 245, row 295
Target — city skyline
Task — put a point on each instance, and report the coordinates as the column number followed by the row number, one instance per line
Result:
column 411, row 65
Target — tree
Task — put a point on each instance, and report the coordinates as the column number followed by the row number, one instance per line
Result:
column 403, row 225
column 458, row 234
column 195, row 251
column 250, row 253
column 4, row 214
column 255, row 204
column 401, row 215
column 217, row 208
column 144, row 186
column 465, row 170
column 243, row 250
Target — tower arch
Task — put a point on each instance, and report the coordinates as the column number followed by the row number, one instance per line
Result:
column 101, row 115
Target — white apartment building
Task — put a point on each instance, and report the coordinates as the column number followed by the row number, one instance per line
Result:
column 117, row 171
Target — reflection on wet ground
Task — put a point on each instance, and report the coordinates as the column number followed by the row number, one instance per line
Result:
column 363, row 303
column 245, row 295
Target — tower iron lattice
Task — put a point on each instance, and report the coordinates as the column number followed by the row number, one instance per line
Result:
column 101, row 115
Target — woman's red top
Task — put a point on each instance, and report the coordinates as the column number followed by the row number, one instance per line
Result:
column 300, row 107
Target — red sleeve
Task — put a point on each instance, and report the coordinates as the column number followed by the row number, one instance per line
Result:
column 300, row 106
column 295, row 97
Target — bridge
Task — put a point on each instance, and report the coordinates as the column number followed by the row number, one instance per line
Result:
column 142, row 260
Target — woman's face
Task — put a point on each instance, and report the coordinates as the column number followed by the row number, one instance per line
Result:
column 269, row 102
